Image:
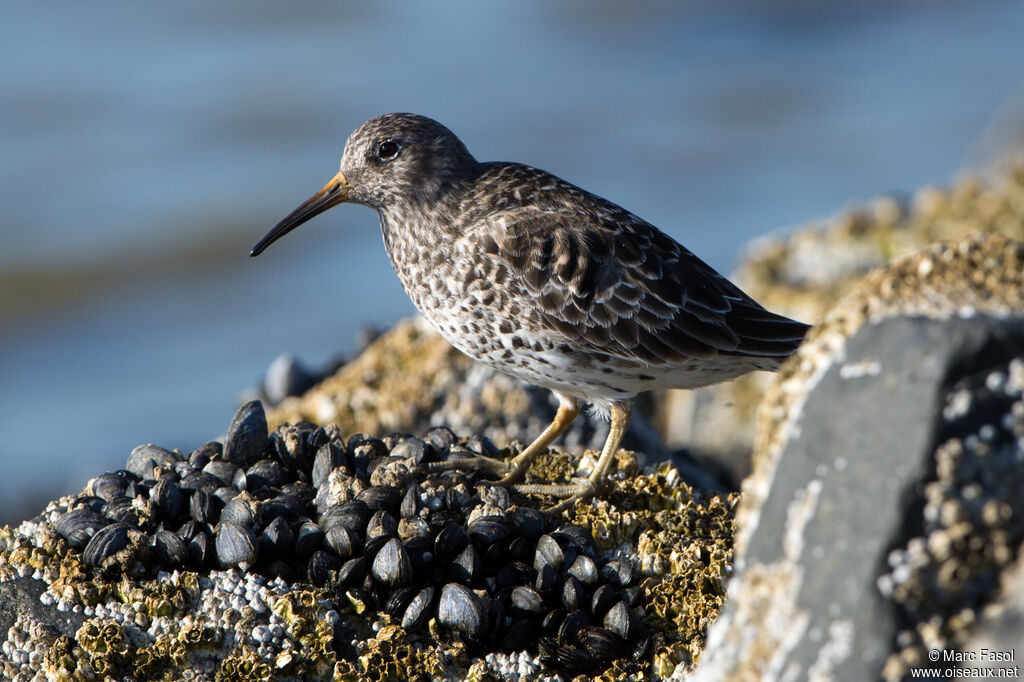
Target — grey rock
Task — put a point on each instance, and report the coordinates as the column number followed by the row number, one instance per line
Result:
column 810, row 593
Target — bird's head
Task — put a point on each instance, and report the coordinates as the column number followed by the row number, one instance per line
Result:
column 389, row 160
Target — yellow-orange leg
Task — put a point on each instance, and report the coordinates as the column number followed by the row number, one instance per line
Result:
column 515, row 470
column 576, row 492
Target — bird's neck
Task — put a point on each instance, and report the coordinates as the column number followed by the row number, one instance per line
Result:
column 407, row 230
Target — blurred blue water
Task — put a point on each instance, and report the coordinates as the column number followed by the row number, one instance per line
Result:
column 132, row 131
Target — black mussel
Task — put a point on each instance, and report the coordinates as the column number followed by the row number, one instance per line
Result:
column 418, row 611
column 353, row 514
column 328, row 458
column 525, row 602
column 488, row 530
column 574, row 535
column 235, row 546
column 284, row 506
column 111, row 485
column 452, row 539
column 461, row 610
column 277, row 539
column 225, row 494
column 482, row 445
column 619, row 572
column 88, row 502
column 144, row 459
column 122, row 510
column 410, row 506
column 360, row 599
column 319, row 438
column 242, row 510
column 301, row 491
column 373, row 545
column 547, row 581
column 204, row 507
column 569, row 630
column 210, row 450
column 247, row 437
column 512, row 574
column 191, row 528
column 574, row 595
column 584, row 570
column 322, row 567
column 381, row 497
column 466, row 566
column 619, row 620
column 340, row 541
column 381, row 524
column 222, row 469
column 181, row 468
column 411, row 448
column 266, row 473
column 420, row 551
column 552, row 621
column 603, row 599
column 572, row 659
column 77, row 526
column 168, row 502
column 370, row 447
column 291, row 445
column 633, row 596
column 601, row 643
column 440, row 438
column 200, row 548
column 520, row 549
column 169, row 549
column 199, row 480
column 391, row 566
column 308, row 538
column 548, row 553
column 108, row 541
column 353, row 572
column 399, row 601
column 198, row 459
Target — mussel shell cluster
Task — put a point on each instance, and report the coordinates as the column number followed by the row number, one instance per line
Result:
column 362, row 519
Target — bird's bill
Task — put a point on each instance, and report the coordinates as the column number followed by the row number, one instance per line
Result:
column 333, row 193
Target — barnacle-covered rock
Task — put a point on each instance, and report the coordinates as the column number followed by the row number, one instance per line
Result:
column 899, row 512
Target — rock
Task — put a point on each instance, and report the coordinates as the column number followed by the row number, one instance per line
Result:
column 884, row 502
column 805, row 272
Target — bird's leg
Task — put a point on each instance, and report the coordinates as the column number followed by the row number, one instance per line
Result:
column 514, row 471
column 568, row 409
column 575, row 492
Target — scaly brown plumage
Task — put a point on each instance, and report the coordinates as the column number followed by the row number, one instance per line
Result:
column 545, row 281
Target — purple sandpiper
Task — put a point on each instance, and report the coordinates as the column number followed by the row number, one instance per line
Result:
column 547, row 282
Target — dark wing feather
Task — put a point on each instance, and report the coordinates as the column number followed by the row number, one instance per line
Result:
column 615, row 284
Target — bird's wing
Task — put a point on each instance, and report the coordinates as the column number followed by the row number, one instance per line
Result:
column 615, row 284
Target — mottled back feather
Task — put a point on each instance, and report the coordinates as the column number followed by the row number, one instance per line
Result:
column 615, row 284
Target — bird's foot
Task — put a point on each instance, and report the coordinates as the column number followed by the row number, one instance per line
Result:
column 573, row 493
column 508, row 472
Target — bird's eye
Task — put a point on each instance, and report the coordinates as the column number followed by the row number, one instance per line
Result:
column 387, row 150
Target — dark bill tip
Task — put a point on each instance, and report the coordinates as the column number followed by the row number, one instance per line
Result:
column 331, row 194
